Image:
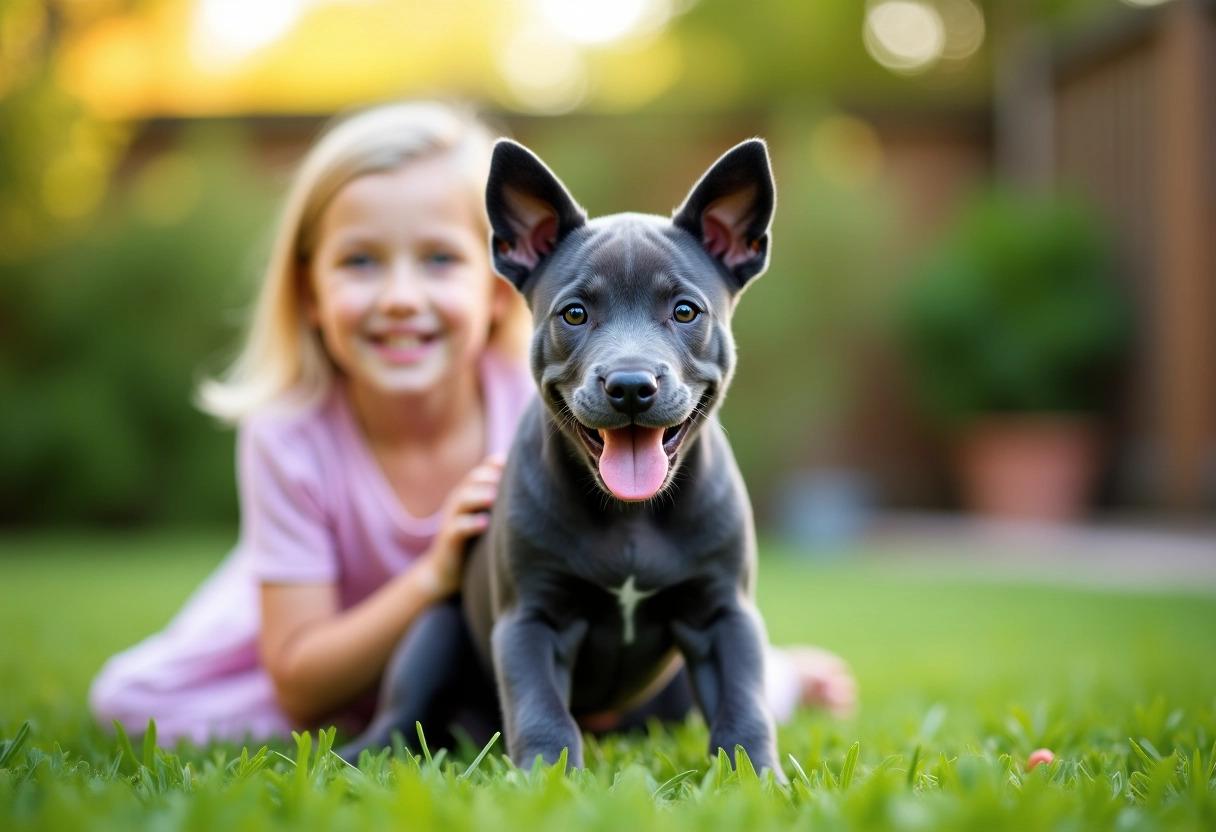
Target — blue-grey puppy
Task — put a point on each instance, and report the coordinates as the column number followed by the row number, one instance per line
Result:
column 621, row 540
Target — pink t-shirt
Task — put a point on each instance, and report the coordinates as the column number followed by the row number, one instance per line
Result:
column 315, row 508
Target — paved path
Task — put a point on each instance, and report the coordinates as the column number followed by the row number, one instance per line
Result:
column 1147, row 555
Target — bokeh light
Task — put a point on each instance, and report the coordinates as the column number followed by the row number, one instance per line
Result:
column 544, row 71
column 598, row 22
column 904, row 36
column 846, row 152
column 225, row 32
column 964, row 25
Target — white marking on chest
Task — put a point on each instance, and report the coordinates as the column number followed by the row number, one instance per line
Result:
column 629, row 597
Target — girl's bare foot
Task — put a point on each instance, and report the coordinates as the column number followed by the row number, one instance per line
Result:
column 816, row 678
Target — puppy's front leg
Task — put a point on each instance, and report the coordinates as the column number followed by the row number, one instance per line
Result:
column 533, row 661
column 726, row 666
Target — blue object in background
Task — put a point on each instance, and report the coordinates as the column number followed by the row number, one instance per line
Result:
column 824, row 511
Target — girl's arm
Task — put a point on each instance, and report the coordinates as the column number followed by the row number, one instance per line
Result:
column 320, row 657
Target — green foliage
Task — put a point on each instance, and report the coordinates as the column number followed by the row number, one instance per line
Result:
column 1018, row 311
column 961, row 679
column 800, row 329
column 101, row 341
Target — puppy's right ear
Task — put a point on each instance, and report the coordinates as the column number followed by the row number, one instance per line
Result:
column 530, row 211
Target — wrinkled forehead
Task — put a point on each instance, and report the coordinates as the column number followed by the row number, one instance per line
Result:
column 632, row 259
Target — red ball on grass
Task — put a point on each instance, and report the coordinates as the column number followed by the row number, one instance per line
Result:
column 1039, row 755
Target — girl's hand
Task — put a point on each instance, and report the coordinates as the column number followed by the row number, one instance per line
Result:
column 465, row 515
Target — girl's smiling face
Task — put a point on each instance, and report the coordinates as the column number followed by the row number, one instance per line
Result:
column 402, row 288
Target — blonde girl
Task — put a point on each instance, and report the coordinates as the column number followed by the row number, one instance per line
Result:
column 376, row 394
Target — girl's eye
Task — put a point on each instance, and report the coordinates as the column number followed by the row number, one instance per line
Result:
column 574, row 315
column 440, row 258
column 685, row 313
column 358, row 261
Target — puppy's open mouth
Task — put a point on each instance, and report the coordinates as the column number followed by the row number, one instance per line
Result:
column 670, row 440
column 634, row 460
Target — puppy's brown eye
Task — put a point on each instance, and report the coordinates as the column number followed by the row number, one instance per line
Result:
column 575, row 315
column 685, row 313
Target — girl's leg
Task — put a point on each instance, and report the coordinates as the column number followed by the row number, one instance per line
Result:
column 141, row 683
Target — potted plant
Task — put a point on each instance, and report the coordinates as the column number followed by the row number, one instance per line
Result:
column 1013, row 330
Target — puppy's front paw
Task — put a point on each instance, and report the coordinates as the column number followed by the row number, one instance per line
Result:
column 526, row 756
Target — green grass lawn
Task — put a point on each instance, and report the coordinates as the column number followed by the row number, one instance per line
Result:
column 960, row 679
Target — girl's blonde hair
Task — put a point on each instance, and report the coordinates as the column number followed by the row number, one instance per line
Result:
column 283, row 361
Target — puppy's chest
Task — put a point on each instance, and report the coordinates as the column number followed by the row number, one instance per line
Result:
column 624, row 592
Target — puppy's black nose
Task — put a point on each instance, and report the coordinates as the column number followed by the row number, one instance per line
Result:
column 631, row 391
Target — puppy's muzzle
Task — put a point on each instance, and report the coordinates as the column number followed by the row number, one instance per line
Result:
column 631, row 391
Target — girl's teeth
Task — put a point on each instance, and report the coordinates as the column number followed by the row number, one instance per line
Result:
column 402, row 342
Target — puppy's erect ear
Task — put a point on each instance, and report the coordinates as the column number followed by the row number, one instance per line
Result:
column 730, row 209
column 530, row 211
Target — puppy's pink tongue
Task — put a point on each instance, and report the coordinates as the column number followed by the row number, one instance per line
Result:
column 633, row 464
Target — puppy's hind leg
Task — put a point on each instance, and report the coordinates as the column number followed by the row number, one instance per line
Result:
column 417, row 687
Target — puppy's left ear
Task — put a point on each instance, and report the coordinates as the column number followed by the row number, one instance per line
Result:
column 730, row 209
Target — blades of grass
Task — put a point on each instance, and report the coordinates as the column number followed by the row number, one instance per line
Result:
column 1161, row 782
column 1150, row 749
column 124, row 745
column 468, row 772
column 665, row 760
column 915, row 764
column 303, row 756
column 325, row 741
column 829, row 779
column 10, row 747
column 724, row 769
column 150, row 744
column 850, row 763
column 34, row 757
column 249, row 766
column 671, row 783
column 1148, row 762
column 1013, row 772
column 888, row 764
column 743, row 766
column 426, row 752
column 947, row 775
column 347, row 764
column 801, row 773
column 1139, row 783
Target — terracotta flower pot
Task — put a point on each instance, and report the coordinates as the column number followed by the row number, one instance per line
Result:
column 1037, row 467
